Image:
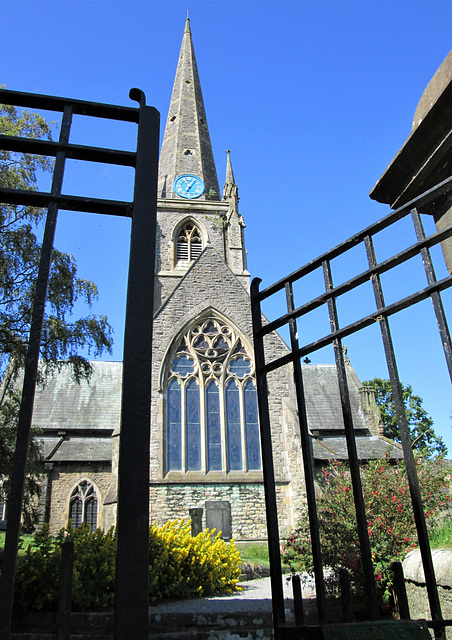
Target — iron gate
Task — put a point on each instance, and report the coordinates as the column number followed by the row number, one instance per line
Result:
column 131, row 601
column 381, row 316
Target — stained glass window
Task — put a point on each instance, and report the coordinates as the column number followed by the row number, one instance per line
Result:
column 253, row 449
column 83, row 506
column 193, row 426
column 233, row 426
column 174, row 432
column 91, row 513
column 214, row 459
column 183, row 366
column 211, row 402
column 76, row 512
column 240, row 367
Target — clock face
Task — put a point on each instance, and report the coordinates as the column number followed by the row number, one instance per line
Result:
column 189, row 186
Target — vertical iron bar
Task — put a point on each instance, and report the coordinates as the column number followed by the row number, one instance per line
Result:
column 308, row 463
column 28, row 392
column 400, row 590
column 267, row 464
column 436, row 296
column 404, row 433
column 65, row 591
column 346, row 595
column 297, row 599
column 132, row 559
column 361, row 519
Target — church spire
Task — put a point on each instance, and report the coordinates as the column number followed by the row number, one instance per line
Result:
column 186, row 147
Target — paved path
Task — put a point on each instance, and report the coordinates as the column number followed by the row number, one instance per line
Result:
column 255, row 596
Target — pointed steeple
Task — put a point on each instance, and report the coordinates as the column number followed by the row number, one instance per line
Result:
column 186, row 147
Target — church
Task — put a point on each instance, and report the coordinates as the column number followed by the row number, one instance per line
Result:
column 205, row 456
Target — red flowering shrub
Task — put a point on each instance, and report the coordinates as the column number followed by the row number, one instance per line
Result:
column 390, row 522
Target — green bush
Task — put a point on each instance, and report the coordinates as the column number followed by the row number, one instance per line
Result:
column 390, row 522
column 37, row 578
column 180, row 566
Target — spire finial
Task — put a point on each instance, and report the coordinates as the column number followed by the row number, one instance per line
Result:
column 187, row 24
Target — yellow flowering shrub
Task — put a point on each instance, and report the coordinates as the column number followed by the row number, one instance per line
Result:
column 182, row 566
column 179, row 567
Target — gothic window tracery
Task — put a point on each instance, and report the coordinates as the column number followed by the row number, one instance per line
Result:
column 188, row 243
column 211, row 402
column 83, row 506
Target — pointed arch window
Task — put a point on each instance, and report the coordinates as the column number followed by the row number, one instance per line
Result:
column 188, row 243
column 83, row 506
column 211, row 402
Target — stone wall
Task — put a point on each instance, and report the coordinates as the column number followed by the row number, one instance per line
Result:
column 417, row 589
column 64, row 478
column 247, row 501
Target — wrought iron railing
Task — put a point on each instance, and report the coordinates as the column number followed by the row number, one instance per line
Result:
column 131, row 601
column 381, row 316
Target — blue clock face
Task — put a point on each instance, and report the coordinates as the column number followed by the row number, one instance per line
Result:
column 188, row 186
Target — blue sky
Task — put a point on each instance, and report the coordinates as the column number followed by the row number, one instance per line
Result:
column 314, row 99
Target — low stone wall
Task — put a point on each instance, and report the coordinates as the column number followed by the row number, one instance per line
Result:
column 252, row 571
column 416, row 587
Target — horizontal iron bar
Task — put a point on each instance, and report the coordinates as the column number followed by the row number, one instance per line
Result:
column 80, row 107
column 360, row 279
column 74, row 151
column 70, row 203
column 367, row 321
column 427, row 197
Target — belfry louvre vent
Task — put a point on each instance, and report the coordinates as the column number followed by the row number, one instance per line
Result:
column 189, row 243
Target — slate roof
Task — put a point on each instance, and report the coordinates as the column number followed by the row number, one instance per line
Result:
column 94, row 406
column 74, row 449
column 323, row 403
column 64, row 404
column 368, row 447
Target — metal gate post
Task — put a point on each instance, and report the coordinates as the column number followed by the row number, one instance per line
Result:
column 29, row 386
column 267, row 463
column 132, row 559
column 404, row 432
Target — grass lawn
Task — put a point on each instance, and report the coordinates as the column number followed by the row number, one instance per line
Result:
column 257, row 553
column 441, row 537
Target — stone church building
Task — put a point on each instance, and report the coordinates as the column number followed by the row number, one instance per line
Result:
column 205, row 448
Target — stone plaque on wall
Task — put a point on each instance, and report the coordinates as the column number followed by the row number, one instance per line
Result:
column 218, row 516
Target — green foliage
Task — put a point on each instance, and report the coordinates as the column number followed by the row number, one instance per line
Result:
column 9, row 412
column 180, row 566
column 63, row 337
column 390, row 522
column 254, row 553
column 423, row 436
column 441, row 535
column 37, row 577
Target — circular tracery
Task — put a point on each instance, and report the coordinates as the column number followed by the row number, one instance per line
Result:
column 213, row 349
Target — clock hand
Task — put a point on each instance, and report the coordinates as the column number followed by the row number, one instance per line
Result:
column 189, row 186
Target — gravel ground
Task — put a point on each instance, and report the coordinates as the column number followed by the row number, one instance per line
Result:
column 255, row 596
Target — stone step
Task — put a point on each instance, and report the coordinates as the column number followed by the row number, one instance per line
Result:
column 192, row 634
column 243, row 625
